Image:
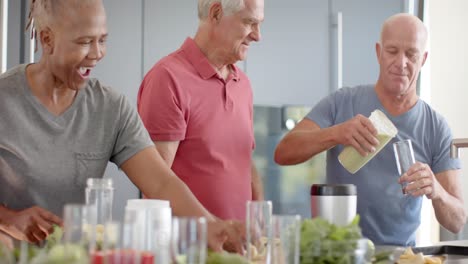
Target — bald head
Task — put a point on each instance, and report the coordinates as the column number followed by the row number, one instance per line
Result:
column 401, row 53
column 406, row 25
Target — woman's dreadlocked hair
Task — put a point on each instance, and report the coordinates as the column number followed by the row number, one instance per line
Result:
column 40, row 12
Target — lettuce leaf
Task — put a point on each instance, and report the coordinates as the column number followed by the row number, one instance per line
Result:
column 326, row 243
column 225, row 258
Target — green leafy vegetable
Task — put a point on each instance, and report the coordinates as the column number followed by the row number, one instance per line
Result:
column 32, row 251
column 326, row 243
column 55, row 237
column 5, row 254
column 225, row 258
column 383, row 257
column 70, row 253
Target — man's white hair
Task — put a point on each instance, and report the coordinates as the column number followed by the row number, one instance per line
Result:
column 229, row 7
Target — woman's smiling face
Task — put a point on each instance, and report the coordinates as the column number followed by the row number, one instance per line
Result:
column 75, row 42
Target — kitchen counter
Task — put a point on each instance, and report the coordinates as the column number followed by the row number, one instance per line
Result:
column 461, row 243
column 450, row 259
column 454, row 259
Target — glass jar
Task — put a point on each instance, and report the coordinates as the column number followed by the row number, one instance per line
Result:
column 100, row 193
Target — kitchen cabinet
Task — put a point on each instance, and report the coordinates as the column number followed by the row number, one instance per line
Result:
column 166, row 25
column 297, row 60
column 3, row 10
column 362, row 21
column 14, row 33
column 290, row 65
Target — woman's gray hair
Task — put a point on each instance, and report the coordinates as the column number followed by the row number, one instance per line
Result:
column 229, row 7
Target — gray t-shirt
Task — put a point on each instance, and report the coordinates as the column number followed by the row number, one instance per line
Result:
column 46, row 159
column 387, row 216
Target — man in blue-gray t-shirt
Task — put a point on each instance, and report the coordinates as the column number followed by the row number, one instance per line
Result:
column 339, row 120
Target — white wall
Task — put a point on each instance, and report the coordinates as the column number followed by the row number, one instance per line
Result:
column 449, row 74
column 2, row 67
column 14, row 33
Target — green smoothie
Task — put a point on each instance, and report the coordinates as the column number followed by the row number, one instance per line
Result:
column 353, row 161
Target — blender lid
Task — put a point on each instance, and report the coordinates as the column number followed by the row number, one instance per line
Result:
column 333, row 189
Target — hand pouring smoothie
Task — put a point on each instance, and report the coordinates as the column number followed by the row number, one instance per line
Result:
column 350, row 158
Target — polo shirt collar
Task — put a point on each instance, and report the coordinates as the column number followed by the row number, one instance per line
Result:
column 200, row 62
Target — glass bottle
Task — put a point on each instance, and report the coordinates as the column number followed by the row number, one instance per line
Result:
column 100, row 193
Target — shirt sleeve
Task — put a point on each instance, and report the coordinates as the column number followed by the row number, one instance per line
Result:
column 161, row 105
column 324, row 112
column 441, row 160
column 132, row 136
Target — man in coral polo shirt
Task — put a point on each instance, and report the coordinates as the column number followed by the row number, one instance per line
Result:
column 198, row 108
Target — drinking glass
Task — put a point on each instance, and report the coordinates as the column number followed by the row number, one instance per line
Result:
column 133, row 237
column 100, row 193
column 159, row 232
column 131, row 249
column 286, row 238
column 79, row 224
column 110, row 235
column 107, row 244
column 151, row 229
column 6, row 254
column 259, row 231
column 188, row 240
column 404, row 156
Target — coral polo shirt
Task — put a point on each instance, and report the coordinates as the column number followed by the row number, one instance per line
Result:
column 183, row 99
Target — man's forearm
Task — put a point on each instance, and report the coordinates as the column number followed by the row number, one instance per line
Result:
column 6, row 218
column 301, row 145
column 4, row 213
column 6, row 240
column 450, row 212
column 149, row 172
column 183, row 202
column 257, row 185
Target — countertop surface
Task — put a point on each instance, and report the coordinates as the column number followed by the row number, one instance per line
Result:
column 462, row 243
column 450, row 259
column 455, row 259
